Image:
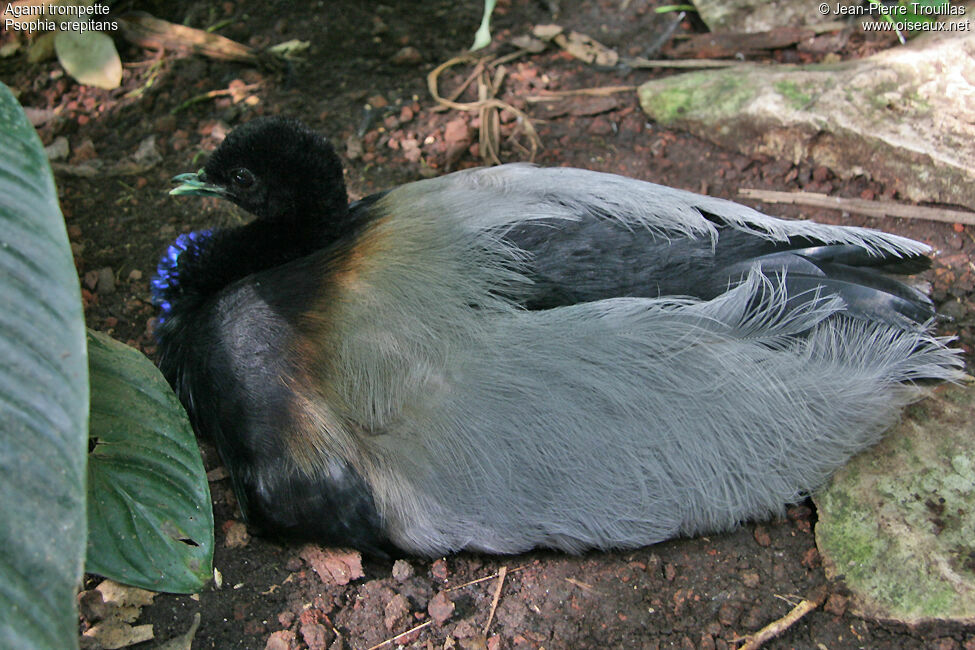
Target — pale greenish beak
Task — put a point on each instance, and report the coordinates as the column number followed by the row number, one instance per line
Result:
column 190, row 184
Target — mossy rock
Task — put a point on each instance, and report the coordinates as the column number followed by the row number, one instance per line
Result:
column 901, row 116
column 897, row 524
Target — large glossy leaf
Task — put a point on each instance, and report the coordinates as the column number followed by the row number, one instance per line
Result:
column 150, row 522
column 43, row 399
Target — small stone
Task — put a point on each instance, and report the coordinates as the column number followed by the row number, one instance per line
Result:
column 953, row 310
column 378, row 101
column 135, row 275
column 353, row 148
column 281, row 640
column 315, row 635
column 762, row 536
column 236, row 535
column 600, row 126
column 409, row 55
column 395, row 611
column 84, row 151
column 439, row 569
column 402, row 570
column 751, row 580
column 59, row 149
column 335, row 567
column 440, row 608
column 286, row 619
column 74, row 231
column 810, row 559
column 755, row 618
column 728, row 613
column 106, row 281
column 820, row 174
column 464, row 630
column 90, row 280
column 670, row 572
column 836, row 604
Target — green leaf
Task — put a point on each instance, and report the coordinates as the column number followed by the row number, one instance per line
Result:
column 150, row 523
column 43, row 399
column 90, row 57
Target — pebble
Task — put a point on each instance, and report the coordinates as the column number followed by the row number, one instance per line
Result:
column 670, row 572
column 106, row 281
column 281, row 640
column 439, row 569
column 440, row 608
column 90, row 280
column 836, row 604
column 953, row 309
column 59, row 149
column 396, row 610
column 84, row 151
column 762, row 537
column 409, row 55
column 402, row 570
column 315, row 635
column 728, row 613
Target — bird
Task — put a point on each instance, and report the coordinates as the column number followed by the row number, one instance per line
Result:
column 516, row 357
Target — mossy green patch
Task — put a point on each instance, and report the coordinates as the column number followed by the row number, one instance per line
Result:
column 694, row 94
column 897, row 523
column 791, row 91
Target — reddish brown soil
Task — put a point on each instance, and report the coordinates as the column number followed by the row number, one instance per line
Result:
column 700, row 593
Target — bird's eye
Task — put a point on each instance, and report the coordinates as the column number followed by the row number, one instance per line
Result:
column 242, row 177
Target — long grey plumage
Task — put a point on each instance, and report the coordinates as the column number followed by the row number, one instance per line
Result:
column 612, row 423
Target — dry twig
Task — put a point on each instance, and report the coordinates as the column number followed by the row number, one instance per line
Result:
column 555, row 95
column 401, row 634
column 777, row 627
column 502, row 572
column 486, row 578
column 489, row 74
column 861, row 206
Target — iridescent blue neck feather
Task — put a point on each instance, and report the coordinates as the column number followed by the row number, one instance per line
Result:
column 166, row 284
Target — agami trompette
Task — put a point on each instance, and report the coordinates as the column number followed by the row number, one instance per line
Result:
column 518, row 357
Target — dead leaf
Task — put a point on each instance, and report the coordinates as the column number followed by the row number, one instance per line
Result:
column 90, row 57
column 529, row 44
column 145, row 30
column 585, row 48
column 720, row 45
column 577, row 106
column 123, row 595
column 112, row 634
column 547, row 32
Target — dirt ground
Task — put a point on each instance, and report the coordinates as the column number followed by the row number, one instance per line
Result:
column 698, row 593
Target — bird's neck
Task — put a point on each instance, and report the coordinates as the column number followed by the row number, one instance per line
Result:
column 200, row 264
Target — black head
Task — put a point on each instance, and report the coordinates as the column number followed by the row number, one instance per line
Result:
column 275, row 168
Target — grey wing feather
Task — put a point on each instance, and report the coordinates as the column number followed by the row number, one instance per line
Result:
column 500, row 197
